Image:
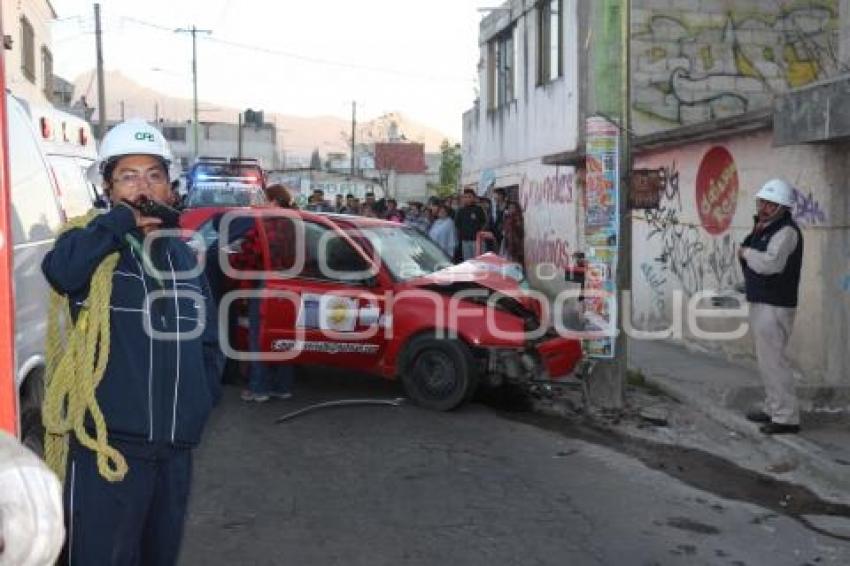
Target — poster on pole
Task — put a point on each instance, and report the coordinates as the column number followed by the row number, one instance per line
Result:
column 602, row 236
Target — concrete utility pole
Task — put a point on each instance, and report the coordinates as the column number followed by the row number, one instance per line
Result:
column 194, row 31
column 101, row 86
column 353, row 133
column 239, row 137
column 611, row 95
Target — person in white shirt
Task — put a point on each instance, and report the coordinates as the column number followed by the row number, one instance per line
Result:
column 772, row 258
column 443, row 230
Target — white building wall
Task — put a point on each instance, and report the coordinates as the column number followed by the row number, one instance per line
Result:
column 505, row 146
column 220, row 140
column 407, row 187
column 40, row 14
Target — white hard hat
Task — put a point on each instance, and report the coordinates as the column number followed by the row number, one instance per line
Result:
column 132, row 137
column 777, row 191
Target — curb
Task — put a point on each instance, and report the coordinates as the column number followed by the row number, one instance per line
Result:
column 817, row 470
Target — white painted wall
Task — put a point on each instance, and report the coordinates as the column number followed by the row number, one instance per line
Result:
column 220, row 140
column 672, row 251
column 507, row 145
column 542, row 120
column 406, row 187
column 40, row 14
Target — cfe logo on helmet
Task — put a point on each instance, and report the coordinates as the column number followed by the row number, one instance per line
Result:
column 145, row 136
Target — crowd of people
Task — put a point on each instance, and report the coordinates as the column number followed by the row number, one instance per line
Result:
column 457, row 224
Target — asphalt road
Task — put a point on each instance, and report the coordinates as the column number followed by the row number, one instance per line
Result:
column 404, row 486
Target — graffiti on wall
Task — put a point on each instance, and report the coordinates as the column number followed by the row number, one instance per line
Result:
column 554, row 189
column 684, row 255
column 545, row 201
column 548, row 249
column 697, row 66
column 656, row 281
column 806, row 209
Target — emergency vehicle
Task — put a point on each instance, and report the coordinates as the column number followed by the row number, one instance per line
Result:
column 70, row 149
column 377, row 297
column 218, row 181
column 31, row 522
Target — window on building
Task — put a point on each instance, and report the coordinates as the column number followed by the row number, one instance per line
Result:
column 502, row 68
column 174, row 133
column 27, row 49
column 550, row 57
column 47, row 72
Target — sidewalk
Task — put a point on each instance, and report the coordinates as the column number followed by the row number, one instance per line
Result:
column 713, row 394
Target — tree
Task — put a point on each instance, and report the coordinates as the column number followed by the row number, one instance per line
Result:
column 316, row 160
column 450, row 167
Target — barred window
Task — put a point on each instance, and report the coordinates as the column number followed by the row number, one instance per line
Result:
column 550, row 57
column 47, row 72
column 27, row 49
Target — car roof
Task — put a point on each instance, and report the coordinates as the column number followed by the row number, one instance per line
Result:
column 355, row 220
column 339, row 219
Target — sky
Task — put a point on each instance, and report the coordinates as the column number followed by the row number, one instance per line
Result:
column 307, row 58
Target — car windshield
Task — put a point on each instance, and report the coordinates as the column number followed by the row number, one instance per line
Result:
column 225, row 195
column 406, row 252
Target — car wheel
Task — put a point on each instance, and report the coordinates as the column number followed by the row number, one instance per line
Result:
column 32, row 427
column 32, row 431
column 438, row 374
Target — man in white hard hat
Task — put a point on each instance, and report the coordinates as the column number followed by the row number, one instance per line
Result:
column 772, row 258
column 161, row 376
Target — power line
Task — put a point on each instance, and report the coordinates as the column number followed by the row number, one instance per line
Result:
column 300, row 57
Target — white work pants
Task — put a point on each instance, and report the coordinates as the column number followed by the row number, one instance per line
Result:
column 771, row 327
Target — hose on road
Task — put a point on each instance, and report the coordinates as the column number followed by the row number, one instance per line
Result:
column 340, row 403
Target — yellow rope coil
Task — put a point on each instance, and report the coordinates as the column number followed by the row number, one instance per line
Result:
column 76, row 360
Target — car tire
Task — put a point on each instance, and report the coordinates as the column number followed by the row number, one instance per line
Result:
column 438, row 374
column 32, row 427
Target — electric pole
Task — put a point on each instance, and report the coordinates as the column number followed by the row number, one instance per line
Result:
column 610, row 93
column 194, row 31
column 239, row 137
column 353, row 132
column 101, row 87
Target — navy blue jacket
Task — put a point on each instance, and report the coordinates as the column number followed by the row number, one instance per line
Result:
column 780, row 289
column 156, row 389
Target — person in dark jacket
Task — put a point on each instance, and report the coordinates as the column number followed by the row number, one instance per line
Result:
column 164, row 362
column 470, row 220
column 497, row 214
column 772, row 259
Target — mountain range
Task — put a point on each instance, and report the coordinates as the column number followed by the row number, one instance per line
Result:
column 298, row 135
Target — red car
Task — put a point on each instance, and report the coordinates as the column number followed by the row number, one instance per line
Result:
column 374, row 296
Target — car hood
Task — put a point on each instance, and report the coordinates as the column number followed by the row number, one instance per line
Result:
column 487, row 271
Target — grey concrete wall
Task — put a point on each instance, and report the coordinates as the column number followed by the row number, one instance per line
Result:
column 696, row 60
column 836, row 267
column 845, row 34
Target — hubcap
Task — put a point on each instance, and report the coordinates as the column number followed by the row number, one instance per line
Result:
column 436, row 374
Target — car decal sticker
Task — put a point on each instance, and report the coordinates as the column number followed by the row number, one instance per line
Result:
column 324, row 347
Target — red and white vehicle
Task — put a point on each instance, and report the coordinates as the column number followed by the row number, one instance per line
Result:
column 378, row 297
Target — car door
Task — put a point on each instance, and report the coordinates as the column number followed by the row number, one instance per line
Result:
column 321, row 302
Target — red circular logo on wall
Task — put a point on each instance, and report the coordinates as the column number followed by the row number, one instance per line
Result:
column 717, row 190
